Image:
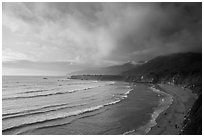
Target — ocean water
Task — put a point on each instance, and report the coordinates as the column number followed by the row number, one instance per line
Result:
column 57, row 105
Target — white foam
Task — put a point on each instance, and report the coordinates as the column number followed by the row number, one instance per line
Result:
column 163, row 105
column 129, row 132
column 128, row 92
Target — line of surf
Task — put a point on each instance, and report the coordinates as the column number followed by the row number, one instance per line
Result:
column 49, row 94
column 69, row 114
column 41, row 112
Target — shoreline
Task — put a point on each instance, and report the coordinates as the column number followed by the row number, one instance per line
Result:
column 170, row 121
column 164, row 103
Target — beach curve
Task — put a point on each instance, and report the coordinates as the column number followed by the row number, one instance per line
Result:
column 170, row 121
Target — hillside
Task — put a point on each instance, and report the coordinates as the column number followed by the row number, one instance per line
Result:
column 180, row 68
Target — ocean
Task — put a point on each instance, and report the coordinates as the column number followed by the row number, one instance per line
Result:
column 38, row 105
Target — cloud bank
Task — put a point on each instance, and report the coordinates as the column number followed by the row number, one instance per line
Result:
column 98, row 34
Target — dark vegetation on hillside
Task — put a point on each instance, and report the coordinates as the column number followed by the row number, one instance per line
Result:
column 183, row 68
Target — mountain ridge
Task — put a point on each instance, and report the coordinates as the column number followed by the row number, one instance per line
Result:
column 111, row 70
column 173, row 68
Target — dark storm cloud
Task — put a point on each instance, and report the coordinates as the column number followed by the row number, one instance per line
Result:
column 98, row 34
column 168, row 28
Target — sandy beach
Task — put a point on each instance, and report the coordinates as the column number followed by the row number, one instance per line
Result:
column 170, row 121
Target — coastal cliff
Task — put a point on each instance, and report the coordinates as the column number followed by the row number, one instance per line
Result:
column 181, row 69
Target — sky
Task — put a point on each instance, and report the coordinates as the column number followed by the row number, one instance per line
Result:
column 60, row 38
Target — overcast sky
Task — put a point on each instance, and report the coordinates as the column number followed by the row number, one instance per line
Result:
column 59, row 38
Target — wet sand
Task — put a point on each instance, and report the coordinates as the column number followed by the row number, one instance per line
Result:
column 170, row 121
